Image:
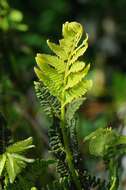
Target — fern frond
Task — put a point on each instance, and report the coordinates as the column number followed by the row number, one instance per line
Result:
column 49, row 103
column 55, row 141
column 12, row 161
column 101, row 140
column 57, row 148
column 63, row 74
column 14, row 166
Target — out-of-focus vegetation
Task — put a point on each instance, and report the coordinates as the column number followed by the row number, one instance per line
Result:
column 24, row 28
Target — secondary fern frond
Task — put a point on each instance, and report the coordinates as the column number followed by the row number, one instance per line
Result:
column 104, row 142
column 49, row 103
column 101, row 140
column 57, row 148
column 63, row 74
column 12, row 160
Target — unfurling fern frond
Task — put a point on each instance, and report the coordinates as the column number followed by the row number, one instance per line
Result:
column 49, row 103
column 63, row 74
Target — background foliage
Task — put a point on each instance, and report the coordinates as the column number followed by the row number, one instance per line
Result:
column 24, row 28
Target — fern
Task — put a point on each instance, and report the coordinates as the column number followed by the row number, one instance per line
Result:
column 49, row 103
column 103, row 140
column 64, row 77
column 61, row 91
column 12, row 160
column 63, row 74
column 109, row 145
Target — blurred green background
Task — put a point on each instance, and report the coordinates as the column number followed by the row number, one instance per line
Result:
column 24, row 28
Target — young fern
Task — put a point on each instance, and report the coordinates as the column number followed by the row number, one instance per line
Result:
column 104, row 142
column 109, row 145
column 63, row 74
column 12, row 159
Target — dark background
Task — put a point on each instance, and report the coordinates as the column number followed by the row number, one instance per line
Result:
column 24, row 28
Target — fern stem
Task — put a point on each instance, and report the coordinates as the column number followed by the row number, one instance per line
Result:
column 113, row 175
column 69, row 157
